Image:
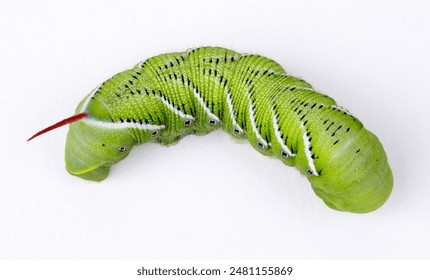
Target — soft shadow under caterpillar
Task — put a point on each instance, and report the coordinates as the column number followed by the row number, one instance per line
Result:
column 249, row 96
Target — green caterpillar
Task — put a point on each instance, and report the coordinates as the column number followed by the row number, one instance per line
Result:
column 249, row 96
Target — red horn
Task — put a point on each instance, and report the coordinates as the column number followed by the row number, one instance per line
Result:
column 72, row 119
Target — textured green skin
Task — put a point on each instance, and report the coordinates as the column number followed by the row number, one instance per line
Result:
column 353, row 172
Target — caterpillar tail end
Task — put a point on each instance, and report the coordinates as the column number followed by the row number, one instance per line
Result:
column 77, row 167
column 97, row 174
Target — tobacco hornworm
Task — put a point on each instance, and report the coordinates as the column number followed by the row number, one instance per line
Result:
column 172, row 95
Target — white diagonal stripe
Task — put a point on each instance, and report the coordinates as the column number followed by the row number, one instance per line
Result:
column 231, row 111
column 175, row 110
column 309, row 154
column 254, row 124
column 278, row 134
column 122, row 125
column 205, row 108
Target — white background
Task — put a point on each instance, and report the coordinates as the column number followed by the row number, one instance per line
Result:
column 209, row 197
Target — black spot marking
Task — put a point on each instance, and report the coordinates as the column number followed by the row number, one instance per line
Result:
column 212, row 122
column 260, row 145
column 335, row 142
column 336, row 130
column 329, row 126
column 187, row 123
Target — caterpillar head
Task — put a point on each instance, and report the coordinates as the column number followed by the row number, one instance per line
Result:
column 90, row 150
column 356, row 180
